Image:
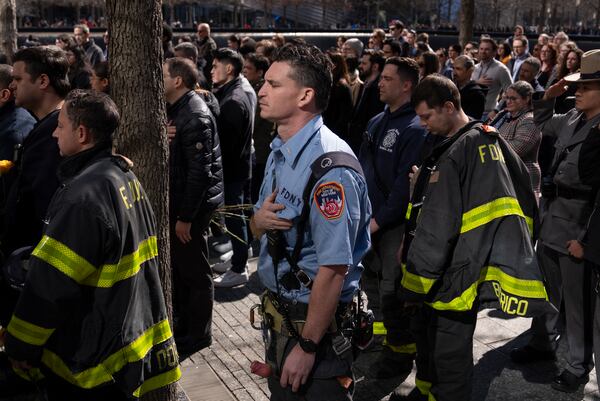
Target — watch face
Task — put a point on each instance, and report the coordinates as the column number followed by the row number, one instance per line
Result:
column 307, row 345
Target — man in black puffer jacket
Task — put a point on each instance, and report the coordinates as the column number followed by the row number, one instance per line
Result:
column 196, row 191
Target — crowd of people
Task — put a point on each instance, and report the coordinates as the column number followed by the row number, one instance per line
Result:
column 457, row 179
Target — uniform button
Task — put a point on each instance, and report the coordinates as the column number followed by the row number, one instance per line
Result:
column 560, row 171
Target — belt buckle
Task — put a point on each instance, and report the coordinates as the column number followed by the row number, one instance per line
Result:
column 304, row 279
column 340, row 344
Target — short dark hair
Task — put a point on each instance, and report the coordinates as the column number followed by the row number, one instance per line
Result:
column 94, row 110
column 184, row 68
column 231, row 57
column 407, row 69
column 490, row 41
column 309, row 68
column 47, row 60
column 5, row 76
column 188, row 49
column 457, row 48
column 84, row 28
column 524, row 42
column 398, row 25
column 269, row 47
column 101, row 69
column 235, row 38
column 435, row 90
column 259, row 62
column 394, row 45
column 375, row 57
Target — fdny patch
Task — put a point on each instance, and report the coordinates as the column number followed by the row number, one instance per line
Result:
column 329, row 198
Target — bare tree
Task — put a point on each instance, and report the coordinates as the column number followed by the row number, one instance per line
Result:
column 467, row 15
column 8, row 28
column 137, row 87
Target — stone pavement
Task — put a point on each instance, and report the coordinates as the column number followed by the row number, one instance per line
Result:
column 236, row 344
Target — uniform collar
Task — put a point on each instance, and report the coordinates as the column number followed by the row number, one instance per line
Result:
column 293, row 147
column 72, row 165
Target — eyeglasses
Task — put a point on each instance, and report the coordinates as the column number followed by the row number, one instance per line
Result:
column 511, row 98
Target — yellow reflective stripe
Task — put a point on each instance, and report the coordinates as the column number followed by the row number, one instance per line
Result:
column 127, row 267
column 103, row 372
column 401, row 349
column 156, row 382
column 423, row 386
column 431, row 397
column 31, row 375
column 408, row 211
column 379, row 329
column 515, row 286
column 416, row 283
column 63, row 258
column 28, row 332
column 501, row 207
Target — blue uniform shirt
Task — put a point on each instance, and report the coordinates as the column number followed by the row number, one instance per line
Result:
column 337, row 232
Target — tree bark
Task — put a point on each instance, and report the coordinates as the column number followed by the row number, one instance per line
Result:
column 137, row 88
column 8, row 28
column 467, row 15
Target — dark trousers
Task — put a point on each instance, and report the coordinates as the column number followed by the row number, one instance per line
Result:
column 193, row 284
column 382, row 260
column 322, row 384
column 569, row 281
column 445, row 353
column 59, row 390
column 235, row 194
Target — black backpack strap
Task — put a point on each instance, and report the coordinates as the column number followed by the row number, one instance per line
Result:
column 319, row 168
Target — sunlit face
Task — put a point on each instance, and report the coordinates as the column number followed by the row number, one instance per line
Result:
column 99, row 84
column 572, row 62
column 390, row 84
column 251, row 73
column 25, row 89
column 486, row 51
column 462, row 74
column 545, row 54
column 202, row 31
column 519, row 47
column 527, row 73
column 280, row 95
column 435, row 120
column 67, row 135
column 587, row 96
column 514, row 102
column 219, row 73
column 365, row 66
column 80, row 36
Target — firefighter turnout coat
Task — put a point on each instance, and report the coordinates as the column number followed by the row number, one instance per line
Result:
column 92, row 310
column 474, row 232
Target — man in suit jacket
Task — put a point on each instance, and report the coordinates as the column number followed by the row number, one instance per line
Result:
column 568, row 211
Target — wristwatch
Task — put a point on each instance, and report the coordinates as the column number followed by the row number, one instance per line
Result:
column 307, row 345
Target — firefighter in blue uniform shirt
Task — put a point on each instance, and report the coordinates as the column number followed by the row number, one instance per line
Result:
column 303, row 338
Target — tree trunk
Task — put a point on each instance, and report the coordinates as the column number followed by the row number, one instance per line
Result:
column 467, row 15
column 8, row 28
column 137, row 88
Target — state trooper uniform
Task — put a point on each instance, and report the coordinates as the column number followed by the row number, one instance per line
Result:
column 567, row 212
column 336, row 233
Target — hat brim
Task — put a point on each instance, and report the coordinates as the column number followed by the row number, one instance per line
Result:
column 577, row 78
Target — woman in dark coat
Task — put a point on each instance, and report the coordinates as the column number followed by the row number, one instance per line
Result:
column 338, row 111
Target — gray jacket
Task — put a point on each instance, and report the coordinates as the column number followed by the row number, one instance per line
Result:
column 500, row 75
column 566, row 216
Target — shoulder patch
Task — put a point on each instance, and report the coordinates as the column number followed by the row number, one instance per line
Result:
column 329, row 198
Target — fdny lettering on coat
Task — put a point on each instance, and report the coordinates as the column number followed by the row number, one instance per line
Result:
column 131, row 193
column 490, row 151
column 329, row 198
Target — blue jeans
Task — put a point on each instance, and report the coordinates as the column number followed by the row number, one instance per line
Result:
column 235, row 195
